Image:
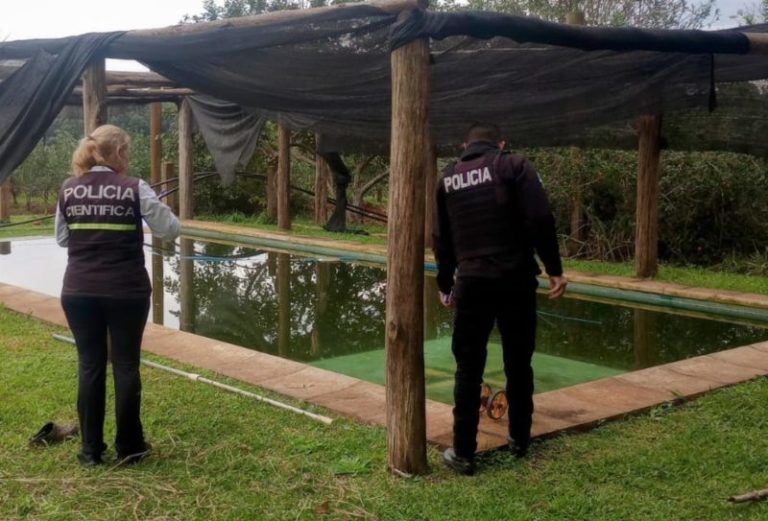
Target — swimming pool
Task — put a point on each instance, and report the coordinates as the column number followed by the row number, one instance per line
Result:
column 330, row 313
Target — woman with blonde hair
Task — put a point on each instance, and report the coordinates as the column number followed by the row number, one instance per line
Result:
column 106, row 287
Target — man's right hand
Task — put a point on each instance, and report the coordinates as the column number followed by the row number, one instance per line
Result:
column 557, row 287
column 447, row 299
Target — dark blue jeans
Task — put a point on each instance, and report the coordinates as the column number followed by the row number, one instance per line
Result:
column 510, row 303
column 90, row 319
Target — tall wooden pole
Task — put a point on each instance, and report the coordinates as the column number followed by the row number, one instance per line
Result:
column 185, row 160
column 647, row 212
column 406, row 416
column 5, row 201
column 94, row 96
column 283, row 178
column 576, row 237
column 155, row 141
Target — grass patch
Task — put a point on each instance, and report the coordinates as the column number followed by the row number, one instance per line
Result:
column 374, row 234
column 220, row 456
column 688, row 275
column 34, row 228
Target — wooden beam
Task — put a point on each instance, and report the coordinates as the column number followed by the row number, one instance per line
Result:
column 406, row 416
column 758, row 43
column 129, row 79
column 94, row 96
column 139, row 79
column 155, row 141
column 647, row 211
column 185, row 160
column 283, row 178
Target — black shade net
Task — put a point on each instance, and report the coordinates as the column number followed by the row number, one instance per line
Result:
column 329, row 71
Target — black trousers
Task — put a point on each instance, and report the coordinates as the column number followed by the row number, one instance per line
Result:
column 90, row 319
column 510, row 303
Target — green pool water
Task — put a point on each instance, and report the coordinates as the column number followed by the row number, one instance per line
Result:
column 330, row 313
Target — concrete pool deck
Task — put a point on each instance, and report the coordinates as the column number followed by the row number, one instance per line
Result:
column 577, row 407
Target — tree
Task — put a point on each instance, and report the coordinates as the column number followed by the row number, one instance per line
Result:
column 660, row 14
column 753, row 14
column 213, row 10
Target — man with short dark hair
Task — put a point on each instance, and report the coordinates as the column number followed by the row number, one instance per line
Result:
column 492, row 215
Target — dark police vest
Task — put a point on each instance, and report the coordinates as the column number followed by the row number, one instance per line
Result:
column 106, row 256
column 485, row 219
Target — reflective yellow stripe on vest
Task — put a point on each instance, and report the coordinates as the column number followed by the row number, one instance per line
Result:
column 103, row 226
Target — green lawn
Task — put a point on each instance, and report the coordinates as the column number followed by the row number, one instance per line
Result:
column 219, row 456
column 37, row 226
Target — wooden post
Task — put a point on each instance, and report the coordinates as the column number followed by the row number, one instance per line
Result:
column 186, row 285
column 155, row 141
column 576, row 237
column 283, row 287
column 94, row 96
column 646, row 347
column 406, row 416
column 283, row 178
column 431, row 308
column 5, row 201
column 430, row 172
column 158, row 289
column 167, row 172
column 575, row 18
column 323, row 278
column 271, row 193
column 321, row 188
column 185, row 161
column 647, row 213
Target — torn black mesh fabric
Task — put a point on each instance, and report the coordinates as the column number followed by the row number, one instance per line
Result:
column 32, row 96
column 230, row 132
